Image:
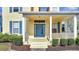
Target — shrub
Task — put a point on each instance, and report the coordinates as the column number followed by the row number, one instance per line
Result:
column 6, row 38
column 77, row 41
column 17, row 40
column 55, row 42
column 63, row 42
column 12, row 38
column 70, row 41
column 1, row 35
column 78, row 35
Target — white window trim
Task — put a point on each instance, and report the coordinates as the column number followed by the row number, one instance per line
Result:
column 18, row 29
column 55, row 9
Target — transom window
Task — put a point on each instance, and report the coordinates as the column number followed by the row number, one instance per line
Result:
column 43, row 8
column 39, row 21
column 15, row 9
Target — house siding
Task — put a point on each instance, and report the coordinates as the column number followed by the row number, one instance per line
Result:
column 15, row 16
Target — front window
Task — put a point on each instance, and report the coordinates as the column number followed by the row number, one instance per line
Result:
column 32, row 8
column 43, row 8
column 15, row 27
column 69, row 9
column 63, row 27
column 54, row 28
column 15, row 9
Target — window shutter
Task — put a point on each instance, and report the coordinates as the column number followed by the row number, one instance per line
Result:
column 20, row 27
column 10, row 9
column 10, row 27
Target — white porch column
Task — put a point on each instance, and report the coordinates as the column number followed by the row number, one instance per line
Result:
column 50, row 28
column 51, row 8
column 23, row 30
column 75, row 26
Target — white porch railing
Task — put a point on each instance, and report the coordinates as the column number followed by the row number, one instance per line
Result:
column 55, row 36
column 62, row 35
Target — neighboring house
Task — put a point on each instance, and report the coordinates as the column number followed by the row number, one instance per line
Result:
column 39, row 25
column 0, row 19
column 78, row 25
column 0, row 23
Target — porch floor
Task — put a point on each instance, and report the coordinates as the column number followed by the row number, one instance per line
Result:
column 38, row 40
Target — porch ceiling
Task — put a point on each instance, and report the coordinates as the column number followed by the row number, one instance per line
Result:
column 55, row 17
column 59, row 17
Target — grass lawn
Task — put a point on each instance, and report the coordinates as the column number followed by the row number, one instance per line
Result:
column 4, row 46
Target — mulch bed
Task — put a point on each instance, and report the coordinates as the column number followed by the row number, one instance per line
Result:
column 50, row 48
column 21, row 48
column 63, row 48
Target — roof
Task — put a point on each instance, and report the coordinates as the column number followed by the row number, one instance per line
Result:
column 49, row 13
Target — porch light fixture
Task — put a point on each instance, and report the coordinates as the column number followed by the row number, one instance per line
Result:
column 63, row 22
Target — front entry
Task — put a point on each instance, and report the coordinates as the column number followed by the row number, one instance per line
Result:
column 39, row 30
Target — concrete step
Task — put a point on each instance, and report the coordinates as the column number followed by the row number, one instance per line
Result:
column 25, row 43
column 38, row 49
column 39, row 45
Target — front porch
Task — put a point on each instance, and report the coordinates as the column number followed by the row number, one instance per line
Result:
column 55, row 27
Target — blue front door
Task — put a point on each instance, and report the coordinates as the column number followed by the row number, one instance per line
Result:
column 39, row 30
